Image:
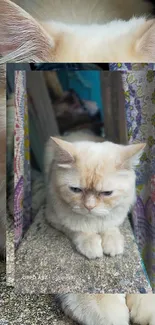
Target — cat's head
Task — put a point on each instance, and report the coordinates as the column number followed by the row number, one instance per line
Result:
column 95, row 178
column 22, row 38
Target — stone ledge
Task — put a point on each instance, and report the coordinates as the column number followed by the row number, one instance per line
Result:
column 17, row 309
column 47, row 263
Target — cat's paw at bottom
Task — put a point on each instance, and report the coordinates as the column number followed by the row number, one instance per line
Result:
column 96, row 309
column 112, row 242
column 142, row 308
column 89, row 245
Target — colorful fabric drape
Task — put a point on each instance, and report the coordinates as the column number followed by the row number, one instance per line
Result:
column 22, row 184
column 139, row 91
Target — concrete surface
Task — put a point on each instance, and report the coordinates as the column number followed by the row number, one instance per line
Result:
column 28, row 309
column 47, row 263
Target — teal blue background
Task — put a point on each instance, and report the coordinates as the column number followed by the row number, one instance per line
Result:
column 85, row 83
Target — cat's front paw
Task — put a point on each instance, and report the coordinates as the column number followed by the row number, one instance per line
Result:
column 142, row 308
column 112, row 242
column 97, row 309
column 89, row 245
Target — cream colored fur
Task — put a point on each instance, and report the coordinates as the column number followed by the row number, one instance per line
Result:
column 134, row 38
column 96, row 309
column 110, row 309
column 142, row 308
column 89, row 218
column 112, row 40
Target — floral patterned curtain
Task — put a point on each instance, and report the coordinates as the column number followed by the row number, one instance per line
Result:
column 139, row 91
column 22, row 181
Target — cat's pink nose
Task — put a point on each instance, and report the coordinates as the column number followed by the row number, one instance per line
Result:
column 89, row 207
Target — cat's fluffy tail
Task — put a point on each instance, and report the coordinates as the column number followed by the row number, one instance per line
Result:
column 95, row 309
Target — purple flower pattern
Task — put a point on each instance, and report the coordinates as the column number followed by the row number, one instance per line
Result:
column 139, row 91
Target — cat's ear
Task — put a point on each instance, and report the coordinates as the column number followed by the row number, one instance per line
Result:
column 21, row 37
column 130, row 155
column 145, row 41
column 64, row 153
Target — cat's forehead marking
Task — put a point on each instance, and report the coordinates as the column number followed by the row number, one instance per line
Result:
column 91, row 176
column 95, row 164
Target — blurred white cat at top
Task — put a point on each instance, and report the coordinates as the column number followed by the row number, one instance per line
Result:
column 121, row 31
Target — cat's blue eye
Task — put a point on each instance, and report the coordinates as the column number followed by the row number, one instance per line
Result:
column 107, row 193
column 75, row 189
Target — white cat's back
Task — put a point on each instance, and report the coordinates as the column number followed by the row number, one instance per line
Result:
column 79, row 136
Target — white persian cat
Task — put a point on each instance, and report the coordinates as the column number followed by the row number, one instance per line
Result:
column 91, row 188
column 77, row 31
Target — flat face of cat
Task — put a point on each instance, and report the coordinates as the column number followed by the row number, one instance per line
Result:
column 94, row 178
